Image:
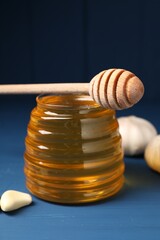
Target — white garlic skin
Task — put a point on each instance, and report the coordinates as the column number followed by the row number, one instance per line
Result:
column 136, row 133
column 152, row 154
column 12, row 200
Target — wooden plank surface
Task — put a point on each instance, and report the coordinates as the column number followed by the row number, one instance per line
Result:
column 133, row 214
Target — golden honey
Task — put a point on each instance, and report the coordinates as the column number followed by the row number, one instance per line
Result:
column 73, row 150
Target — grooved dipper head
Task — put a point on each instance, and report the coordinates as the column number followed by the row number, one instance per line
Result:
column 116, row 89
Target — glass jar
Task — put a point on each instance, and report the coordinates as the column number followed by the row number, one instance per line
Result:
column 73, row 150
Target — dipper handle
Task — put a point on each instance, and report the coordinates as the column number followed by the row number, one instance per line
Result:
column 44, row 88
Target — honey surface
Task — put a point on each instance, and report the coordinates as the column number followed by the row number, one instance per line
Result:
column 73, row 150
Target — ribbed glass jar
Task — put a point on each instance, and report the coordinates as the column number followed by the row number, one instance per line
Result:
column 73, row 150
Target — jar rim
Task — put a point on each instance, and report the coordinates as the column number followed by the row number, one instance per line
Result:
column 67, row 101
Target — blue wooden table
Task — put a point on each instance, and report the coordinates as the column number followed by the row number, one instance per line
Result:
column 133, row 214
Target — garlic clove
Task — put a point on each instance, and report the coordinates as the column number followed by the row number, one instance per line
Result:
column 152, row 154
column 12, row 200
column 136, row 133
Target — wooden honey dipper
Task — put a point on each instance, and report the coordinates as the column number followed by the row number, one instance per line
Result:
column 113, row 88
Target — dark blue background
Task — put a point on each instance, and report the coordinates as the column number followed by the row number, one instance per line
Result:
column 72, row 40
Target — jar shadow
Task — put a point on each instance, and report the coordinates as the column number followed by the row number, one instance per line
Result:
column 139, row 175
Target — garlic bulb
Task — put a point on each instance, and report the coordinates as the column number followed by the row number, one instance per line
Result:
column 136, row 133
column 152, row 154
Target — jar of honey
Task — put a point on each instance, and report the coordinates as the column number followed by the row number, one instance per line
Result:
column 73, row 150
